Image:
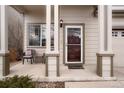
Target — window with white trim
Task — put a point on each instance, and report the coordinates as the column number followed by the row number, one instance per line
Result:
column 115, row 33
column 118, row 34
column 122, row 34
column 37, row 35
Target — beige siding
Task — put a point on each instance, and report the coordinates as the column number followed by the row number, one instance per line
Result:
column 34, row 17
column 118, row 43
column 72, row 14
column 83, row 14
column 15, row 31
column 38, row 15
column 0, row 27
column 118, row 21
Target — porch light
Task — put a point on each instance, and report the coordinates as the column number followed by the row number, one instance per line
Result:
column 61, row 22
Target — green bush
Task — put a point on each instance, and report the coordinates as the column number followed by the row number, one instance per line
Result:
column 17, row 82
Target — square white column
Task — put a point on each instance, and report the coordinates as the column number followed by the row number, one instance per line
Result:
column 56, row 27
column 109, row 28
column 4, row 62
column 52, row 57
column 48, row 28
column 101, row 27
column 105, row 28
column 4, row 29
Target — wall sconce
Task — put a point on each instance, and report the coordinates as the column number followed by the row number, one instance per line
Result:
column 61, row 23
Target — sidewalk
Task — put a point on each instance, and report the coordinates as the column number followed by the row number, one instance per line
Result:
column 95, row 84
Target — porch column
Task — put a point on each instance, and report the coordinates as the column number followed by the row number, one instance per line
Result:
column 56, row 27
column 4, row 63
column 105, row 55
column 109, row 28
column 52, row 57
column 48, row 26
column 56, row 39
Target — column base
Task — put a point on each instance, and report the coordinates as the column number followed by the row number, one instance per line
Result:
column 4, row 64
column 105, row 64
column 52, row 65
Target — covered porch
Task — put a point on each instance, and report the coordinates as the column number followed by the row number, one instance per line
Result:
column 96, row 39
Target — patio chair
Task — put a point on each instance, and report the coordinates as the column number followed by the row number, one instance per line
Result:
column 29, row 54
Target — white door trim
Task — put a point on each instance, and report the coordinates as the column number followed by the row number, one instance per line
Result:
column 73, row 26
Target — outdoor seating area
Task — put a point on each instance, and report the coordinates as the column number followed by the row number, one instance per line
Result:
column 31, row 56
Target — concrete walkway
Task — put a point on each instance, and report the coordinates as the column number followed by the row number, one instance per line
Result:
column 95, row 84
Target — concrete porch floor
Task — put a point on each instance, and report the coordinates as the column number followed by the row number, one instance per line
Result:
column 37, row 72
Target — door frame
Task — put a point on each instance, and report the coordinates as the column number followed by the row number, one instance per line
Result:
column 83, row 42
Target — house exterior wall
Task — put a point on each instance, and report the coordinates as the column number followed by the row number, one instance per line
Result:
column 0, row 27
column 73, row 14
column 38, row 16
column 82, row 14
column 118, row 42
column 33, row 18
column 15, row 31
column 118, row 21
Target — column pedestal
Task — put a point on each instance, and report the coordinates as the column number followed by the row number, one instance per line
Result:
column 52, row 64
column 4, row 53
column 105, row 64
column 4, row 64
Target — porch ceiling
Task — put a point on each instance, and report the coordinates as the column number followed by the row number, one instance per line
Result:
column 29, row 8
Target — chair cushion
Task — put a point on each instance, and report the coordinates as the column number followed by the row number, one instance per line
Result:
column 28, row 53
column 27, row 56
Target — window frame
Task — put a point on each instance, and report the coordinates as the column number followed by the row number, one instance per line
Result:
column 28, row 35
column 119, row 34
column 122, row 35
column 41, row 33
column 113, row 34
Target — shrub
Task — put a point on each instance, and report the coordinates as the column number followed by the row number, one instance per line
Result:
column 17, row 82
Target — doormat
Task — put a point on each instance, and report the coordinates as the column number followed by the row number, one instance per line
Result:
column 75, row 67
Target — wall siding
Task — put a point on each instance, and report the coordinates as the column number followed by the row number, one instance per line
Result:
column 72, row 14
column 82, row 14
column 15, row 31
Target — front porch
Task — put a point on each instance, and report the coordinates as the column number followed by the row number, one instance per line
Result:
column 37, row 72
column 77, row 40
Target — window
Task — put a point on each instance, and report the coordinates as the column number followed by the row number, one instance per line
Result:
column 122, row 34
column 43, row 35
column 37, row 34
column 34, row 35
column 115, row 33
column 119, row 33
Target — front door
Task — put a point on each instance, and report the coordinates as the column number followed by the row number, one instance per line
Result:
column 73, row 44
